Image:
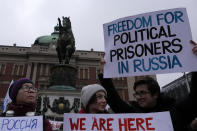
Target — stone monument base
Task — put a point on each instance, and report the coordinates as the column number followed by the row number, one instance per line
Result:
column 63, row 77
column 61, row 96
column 54, row 103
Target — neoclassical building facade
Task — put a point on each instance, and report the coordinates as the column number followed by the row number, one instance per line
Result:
column 35, row 63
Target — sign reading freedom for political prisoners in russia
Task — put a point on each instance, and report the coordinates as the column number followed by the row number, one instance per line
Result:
column 150, row 43
column 160, row 121
column 34, row 123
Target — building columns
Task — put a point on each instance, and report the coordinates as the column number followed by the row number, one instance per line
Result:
column 34, row 72
column 29, row 66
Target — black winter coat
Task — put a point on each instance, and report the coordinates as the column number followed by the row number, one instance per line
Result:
column 181, row 114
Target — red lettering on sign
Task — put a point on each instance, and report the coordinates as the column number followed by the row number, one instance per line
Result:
column 102, row 123
column 131, row 122
column 82, row 123
column 79, row 125
column 122, row 125
column 109, row 124
column 139, row 122
column 95, row 125
column 135, row 124
column 149, row 124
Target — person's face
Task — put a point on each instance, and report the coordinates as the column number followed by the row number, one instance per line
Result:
column 26, row 94
column 144, row 97
column 100, row 103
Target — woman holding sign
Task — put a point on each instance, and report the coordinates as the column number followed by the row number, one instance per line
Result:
column 23, row 95
column 93, row 99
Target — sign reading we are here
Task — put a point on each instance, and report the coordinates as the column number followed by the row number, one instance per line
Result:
column 160, row 121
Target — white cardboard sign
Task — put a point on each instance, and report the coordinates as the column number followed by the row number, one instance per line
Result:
column 160, row 121
column 150, row 43
column 34, row 123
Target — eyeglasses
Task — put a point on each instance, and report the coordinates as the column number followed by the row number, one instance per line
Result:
column 140, row 93
column 28, row 88
column 101, row 96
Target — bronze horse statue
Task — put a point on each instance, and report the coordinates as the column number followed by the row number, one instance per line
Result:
column 66, row 41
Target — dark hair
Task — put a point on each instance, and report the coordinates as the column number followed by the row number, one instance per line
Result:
column 92, row 100
column 151, row 83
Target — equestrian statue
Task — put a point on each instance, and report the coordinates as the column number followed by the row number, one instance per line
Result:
column 66, row 41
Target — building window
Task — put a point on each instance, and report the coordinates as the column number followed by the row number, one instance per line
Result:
column 2, row 68
column 41, row 69
column 98, row 71
column 83, row 73
column 80, row 73
column 47, row 70
column 86, row 73
column 14, row 71
column 44, row 69
column 18, row 70
column 21, row 70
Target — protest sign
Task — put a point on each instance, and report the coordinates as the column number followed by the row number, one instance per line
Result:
column 56, row 124
column 34, row 123
column 150, row 43
column 160, row 121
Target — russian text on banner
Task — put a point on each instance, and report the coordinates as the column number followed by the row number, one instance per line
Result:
column 34, row 123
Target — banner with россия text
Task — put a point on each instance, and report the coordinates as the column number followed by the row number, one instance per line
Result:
column 33, row 123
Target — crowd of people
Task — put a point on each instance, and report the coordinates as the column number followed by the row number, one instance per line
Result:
column 95, row 97
column 148, row 99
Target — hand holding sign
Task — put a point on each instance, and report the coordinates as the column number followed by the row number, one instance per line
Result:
column 193, row 124
column 195, row 47
column 102, row 63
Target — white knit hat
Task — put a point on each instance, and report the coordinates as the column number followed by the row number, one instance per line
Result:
column 88, row 91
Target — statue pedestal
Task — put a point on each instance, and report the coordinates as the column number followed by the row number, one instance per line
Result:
column 61, row 97
column 63, row 77
column 54, row 103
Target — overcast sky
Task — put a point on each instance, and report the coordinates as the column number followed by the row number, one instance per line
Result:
column 22, row 21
